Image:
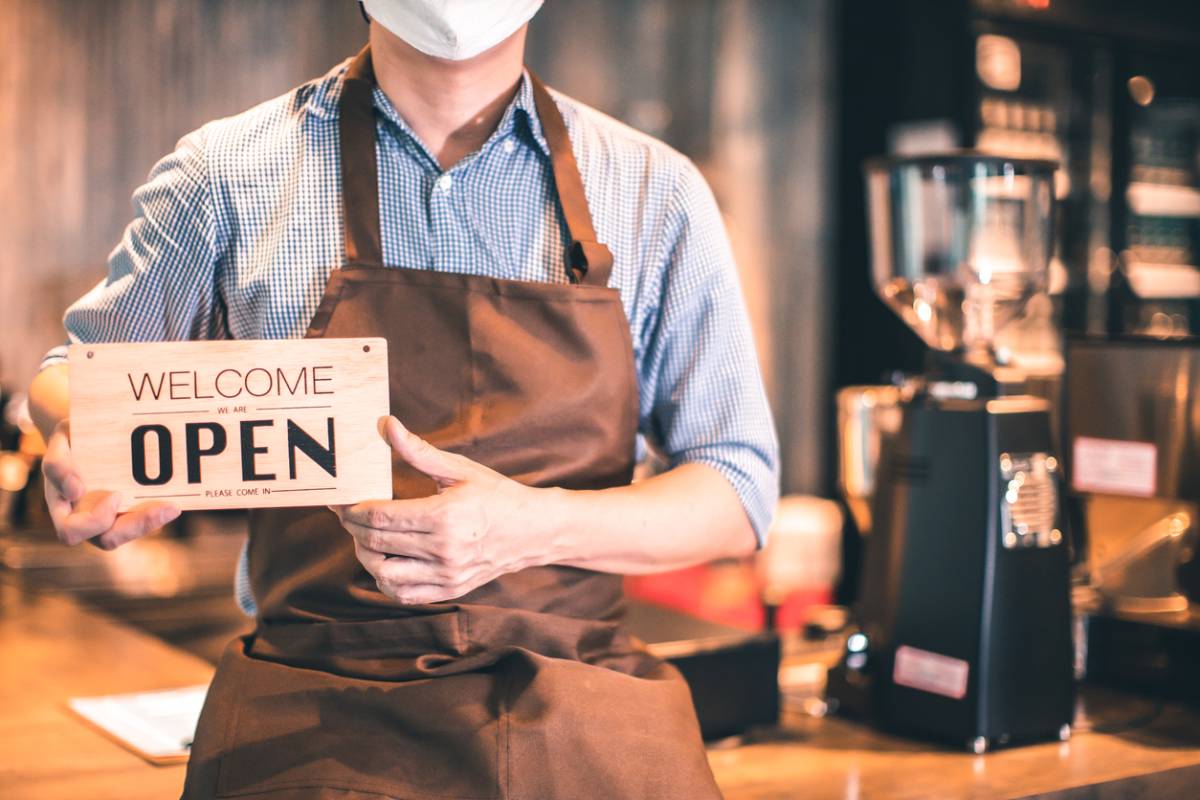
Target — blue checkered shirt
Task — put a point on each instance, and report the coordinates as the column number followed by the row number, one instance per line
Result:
column 236, row 232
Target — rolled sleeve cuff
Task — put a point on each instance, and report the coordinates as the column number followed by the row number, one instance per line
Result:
column 756, row 485
column 242, row 591
column 56, row 355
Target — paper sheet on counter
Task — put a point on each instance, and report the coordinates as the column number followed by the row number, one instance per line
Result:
column 158, row 726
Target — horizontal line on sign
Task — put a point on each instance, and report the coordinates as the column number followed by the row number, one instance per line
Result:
column 309, row 489
column 149, row 496
column 156, row 413
column 287, row 408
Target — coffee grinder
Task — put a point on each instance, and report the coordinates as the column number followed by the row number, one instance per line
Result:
column 964, row 619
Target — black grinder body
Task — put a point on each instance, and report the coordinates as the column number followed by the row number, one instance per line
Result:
column 965, row 604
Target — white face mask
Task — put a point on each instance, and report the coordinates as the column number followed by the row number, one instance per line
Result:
column 452, row 29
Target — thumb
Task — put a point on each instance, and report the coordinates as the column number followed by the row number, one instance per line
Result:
column 421, row 455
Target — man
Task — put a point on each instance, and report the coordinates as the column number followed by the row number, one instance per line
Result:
column 553, row 286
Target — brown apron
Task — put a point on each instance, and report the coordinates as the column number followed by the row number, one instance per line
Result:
column 524, row 688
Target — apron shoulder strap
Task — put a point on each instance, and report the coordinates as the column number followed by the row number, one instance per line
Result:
column 588, row 260
column 360, row 171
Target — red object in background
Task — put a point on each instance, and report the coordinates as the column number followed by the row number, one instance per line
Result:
column 726, row 592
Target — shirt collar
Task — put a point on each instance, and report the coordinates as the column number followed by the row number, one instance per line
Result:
column 520, row 118
column 527, row 108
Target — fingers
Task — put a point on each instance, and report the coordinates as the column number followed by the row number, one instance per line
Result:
column 390, row 569
column 410, row 544
column 396, row 575
column 429, row 593
column 95, row 518
column 59, row 468
column 446, row 468
column 427, row 549
column 137, row 522
column 59, row 506
column 413, row 580
column 80, row 516
column 417, row 514
column 94, row 514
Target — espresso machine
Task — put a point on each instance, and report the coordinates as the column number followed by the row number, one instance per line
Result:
column 963, row 622
column 1132, row 433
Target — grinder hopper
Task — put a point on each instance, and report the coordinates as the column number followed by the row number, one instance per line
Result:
column 960, row 243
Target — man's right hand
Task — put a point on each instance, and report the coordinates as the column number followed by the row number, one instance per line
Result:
column 80, row 515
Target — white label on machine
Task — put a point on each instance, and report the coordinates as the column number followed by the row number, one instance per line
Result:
column 931, row 672
column 1114, row 466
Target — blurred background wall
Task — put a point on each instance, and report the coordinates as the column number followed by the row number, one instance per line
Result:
column 93, row 92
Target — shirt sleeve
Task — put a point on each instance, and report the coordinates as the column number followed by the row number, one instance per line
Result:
column 161, row 282
column 703, row 399
column 243, row 592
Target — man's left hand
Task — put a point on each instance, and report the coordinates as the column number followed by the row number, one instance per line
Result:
column 479, row 525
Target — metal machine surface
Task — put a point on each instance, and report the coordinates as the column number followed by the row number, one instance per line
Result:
column 964, row 615
column 1133, row 446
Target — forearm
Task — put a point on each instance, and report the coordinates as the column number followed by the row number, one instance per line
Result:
column 481, row 525
column 686, row 516
column 49, row 399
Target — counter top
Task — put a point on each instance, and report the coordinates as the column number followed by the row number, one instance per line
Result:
column 52, row 648
column 836, row 758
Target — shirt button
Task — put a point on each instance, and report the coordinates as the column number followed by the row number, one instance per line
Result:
column 445, row 182
column 509, row 145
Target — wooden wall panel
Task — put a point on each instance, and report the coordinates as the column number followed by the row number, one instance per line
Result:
column 93, row 92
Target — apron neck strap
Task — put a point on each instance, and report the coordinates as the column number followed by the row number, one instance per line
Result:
column 588, row 261
column 360, row 172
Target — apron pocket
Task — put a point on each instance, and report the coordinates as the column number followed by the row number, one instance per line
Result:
column 579, row 730
column 299, row 728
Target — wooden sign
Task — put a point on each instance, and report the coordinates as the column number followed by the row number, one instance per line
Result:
column 232, row 424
